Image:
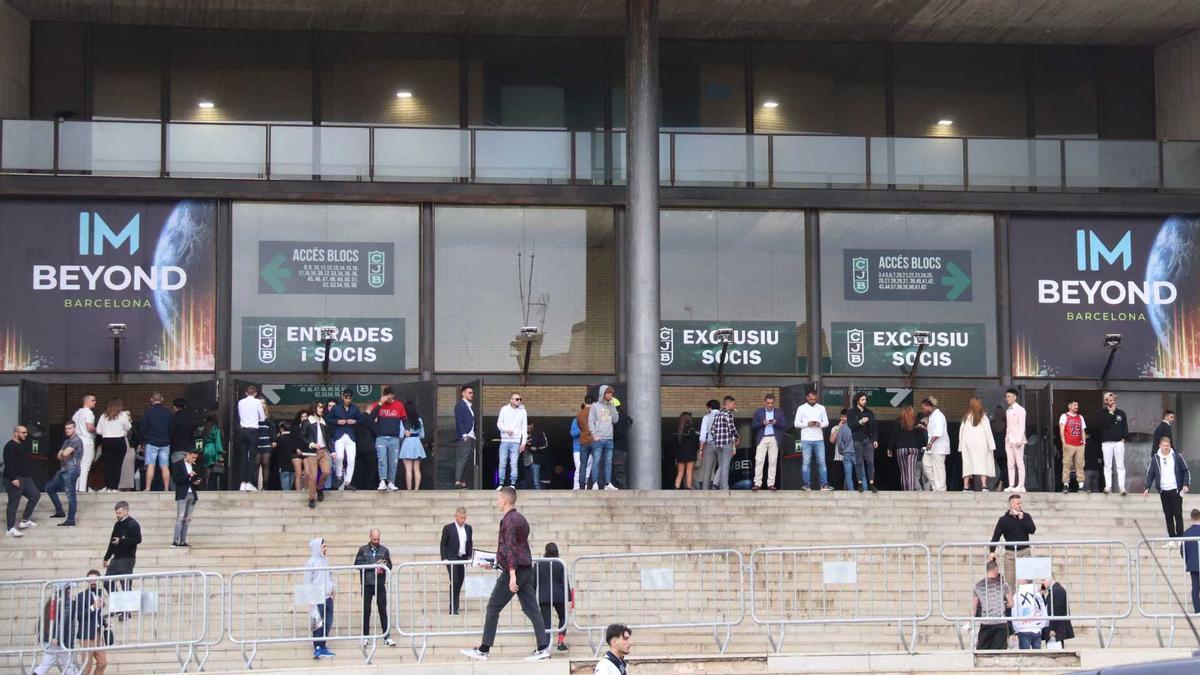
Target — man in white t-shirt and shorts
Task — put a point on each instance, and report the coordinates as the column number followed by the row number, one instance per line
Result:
column 85, row 428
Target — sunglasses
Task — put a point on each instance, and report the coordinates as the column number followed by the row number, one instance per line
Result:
column 517, row 399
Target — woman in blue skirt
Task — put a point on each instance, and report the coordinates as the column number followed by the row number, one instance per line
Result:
column 412, row 451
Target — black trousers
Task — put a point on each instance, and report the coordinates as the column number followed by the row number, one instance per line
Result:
column 1172, row 506
column 248, row 440
column 29, row 490
column 992, row 636
column 456, row 573
column 379, row 593
column 117, row 567
column 561, row 609
column 112, row 452
column 501, row 596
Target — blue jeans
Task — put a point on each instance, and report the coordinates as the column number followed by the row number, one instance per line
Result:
column 585, row 456
column 811, row 449
column 157, row 455
column 65, row 479
column 850, row 466
column 387, row 454
column 602, row 452
column 287, row 480
column 326, row 612
column 509, row 452
column 536, row 472
column 1029, row 640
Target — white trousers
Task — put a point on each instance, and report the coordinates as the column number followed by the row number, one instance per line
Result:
column 346, row 450
column 587, row 476
column 56, row 657
column 85, row 462
column 1114, row 453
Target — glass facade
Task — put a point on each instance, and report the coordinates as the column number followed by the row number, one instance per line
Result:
column 127, row 72
column 820, row 88
column 536, row 82
column 959, row 90
column 219, row 76
column 886, row 276
column 1064, row 92
column 498, row 270
column 384, row 78
column 299, row 267
column 703, row 85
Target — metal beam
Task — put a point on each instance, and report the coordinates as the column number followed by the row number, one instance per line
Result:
column 641, row 108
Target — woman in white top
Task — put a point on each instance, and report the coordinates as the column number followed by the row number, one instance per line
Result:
column 976, row 444
column 113, row 428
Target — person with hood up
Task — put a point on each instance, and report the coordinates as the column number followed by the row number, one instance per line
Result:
column 601, row 418
column 319, row 576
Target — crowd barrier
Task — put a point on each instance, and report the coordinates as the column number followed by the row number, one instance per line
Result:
column 20, row 601
column 1164, row 605
column 1098, row 574
column 650, row 591
column 423, row 591
column 287, row 605
column 822, row 585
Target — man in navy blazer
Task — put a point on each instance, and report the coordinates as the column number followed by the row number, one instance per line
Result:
column 464, row 435
column 1191, row 558
column 1170, row 472
column 456, row 544
column 187, row 481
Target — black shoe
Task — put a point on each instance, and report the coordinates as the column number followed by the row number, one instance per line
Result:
column 58, row 515
column 174, row 543
column 351, row 488
column 67, row 523
column 184, row 544
column 321, row 496
column 874, row 489
column 312, row 503
column 562, row 646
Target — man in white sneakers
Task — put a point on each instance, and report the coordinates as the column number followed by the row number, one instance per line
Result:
column 1014, row 441
column 250, row 413
column 513, row 424
column 812, row 420
column 1072, row 430
column 18, row 482
column 613, row 662
column 85, row 428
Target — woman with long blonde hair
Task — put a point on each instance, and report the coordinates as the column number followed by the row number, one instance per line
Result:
column 113, row 428
column 908, row 443
column 976, row 443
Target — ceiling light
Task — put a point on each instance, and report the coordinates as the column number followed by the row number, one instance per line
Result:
column 206, row 104
column 404, row 93
column 946, row 123
column 770, row 104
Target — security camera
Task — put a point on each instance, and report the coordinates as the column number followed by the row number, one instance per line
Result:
column 117, row 329
column 723, row 334
column 1112, row 340
column 529, row 332
column 922, row 337
column 327, row 333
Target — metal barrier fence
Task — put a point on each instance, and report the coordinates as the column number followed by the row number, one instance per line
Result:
column 820, row 585
column 1098, row 575
column 683, row 589
column 292, row 605
column 20, row 602
column 423, row 600
column 1154, row 599
column 161, row 610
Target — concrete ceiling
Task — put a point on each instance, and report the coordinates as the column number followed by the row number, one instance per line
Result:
column 1136, row 22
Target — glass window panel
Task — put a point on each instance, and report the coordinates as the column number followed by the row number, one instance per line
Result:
column 339, row 153
column 1127, row 75
column 127, row 72
column 1012, row 162
column 1064, row 91
column 28, row 145
column 217, row 150
column 703, row 85
column 244, row 75
column 500, row 269
column 735, row 266
column 979, row 88
column 813, row 161
column 324, row 227
column 819, row 88
column 553, row 83
column 112, row 148
column 917, row 162
column 1112, row 164
column 363, row 73
column 59, row 73
column 422, row 154
column 897, row 253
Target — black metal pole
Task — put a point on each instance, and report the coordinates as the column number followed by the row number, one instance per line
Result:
column 721, row 364
column 116, row 374
column 325, row 361
column 1112, row 353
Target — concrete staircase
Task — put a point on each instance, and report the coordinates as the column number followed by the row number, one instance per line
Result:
column 235, row 531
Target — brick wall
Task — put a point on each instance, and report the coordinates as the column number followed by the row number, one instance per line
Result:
column 64, row 399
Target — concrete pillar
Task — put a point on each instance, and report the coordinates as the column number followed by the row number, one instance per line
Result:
column 641, row 152
column 14, row 63
column 1177, row 87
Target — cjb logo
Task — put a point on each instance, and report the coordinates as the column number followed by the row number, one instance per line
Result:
column 376, row 276
column 267, row 343
column 666, row 346
column 94, row 232
column 860, row 271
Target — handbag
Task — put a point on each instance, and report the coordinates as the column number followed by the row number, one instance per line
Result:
column 527, row 458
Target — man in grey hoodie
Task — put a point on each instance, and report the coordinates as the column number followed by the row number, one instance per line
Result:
column 601, row 419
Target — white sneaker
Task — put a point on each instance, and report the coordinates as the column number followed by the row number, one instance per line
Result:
column 242, row 487
column 392, row 487
column 1107, row 491
column 26, row 524
column 1019, row 488
column 1170, row 544
column 575, row 486
column 474, row 654
column 382, row 485
column 610, row 486
column 251, row 487
column 499, row 487
column 342, row 486
column 595, row 486
column 15, row 533
column 389, row 642
column 539, row 655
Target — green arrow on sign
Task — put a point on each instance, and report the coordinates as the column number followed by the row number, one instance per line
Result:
column 957, row 280
column 275, row 272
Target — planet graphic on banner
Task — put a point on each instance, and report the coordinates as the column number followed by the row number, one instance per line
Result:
column 1174, row 257
column 183, row 239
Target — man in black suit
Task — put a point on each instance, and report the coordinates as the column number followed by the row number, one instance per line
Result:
column 183, row 430
column 187, row 481
column 456, row 545
column 1164, row 428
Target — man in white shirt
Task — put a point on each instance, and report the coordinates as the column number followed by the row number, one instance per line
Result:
column 514, row 433
column 812, row 420
column 85, row 427
column 1170, row 472
column 250, row 413
column 938, row 447
column 707, row 460
column 456, row 544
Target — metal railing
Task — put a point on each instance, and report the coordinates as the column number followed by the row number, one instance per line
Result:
column 19, row 632
column 822, row 585
column 423, row 593
column 160, row 610
column 274, row 606
column 1155, row 601
column 672, row 589
column 1098, row 573
column 341, row 152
